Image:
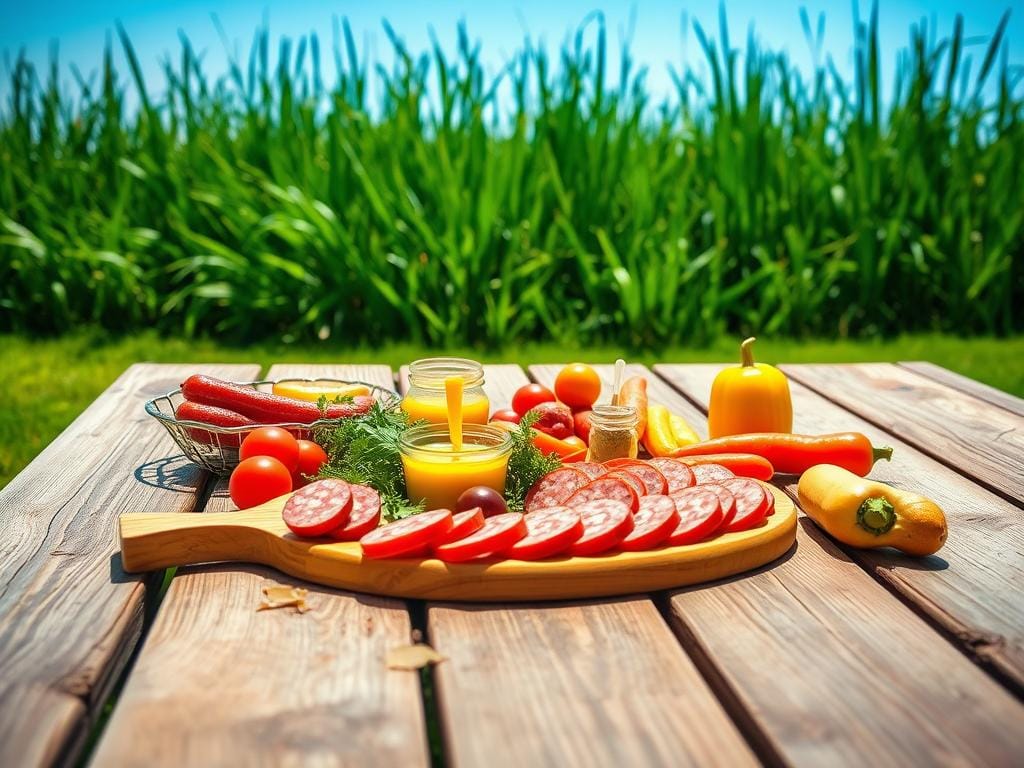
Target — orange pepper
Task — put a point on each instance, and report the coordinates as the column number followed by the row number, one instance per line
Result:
column 751, row 398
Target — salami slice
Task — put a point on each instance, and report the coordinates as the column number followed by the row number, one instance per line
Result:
column 606, row 522
column 319, row 508
column 771, row 503
column 653, row 523
column 625, row 461
column 711, row 473
column 550, row 531
column 632, row 480
column 406, row 536
column 654, row 481
column 728, row 502
column 497, row 533
column 604, row 487
column 554, row 488
column 365, row 514
column 751, row 503
column 591, row 468
column 463, row 524
column 677, row 475
column 700, row 515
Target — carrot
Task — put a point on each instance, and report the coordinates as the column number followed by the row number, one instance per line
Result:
column 634, row 393
column 547, row 444
column 741, row 464
column 794, row 454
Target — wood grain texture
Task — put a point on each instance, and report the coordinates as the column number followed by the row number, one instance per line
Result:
column 989, row 394
column 601, row 684
column 971, row 589
column 220, row 684
column 829, row 667
column 69, row 616
column 978, row 439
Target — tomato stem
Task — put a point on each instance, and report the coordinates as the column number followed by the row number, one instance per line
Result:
column 876, row 515
column 747, row 352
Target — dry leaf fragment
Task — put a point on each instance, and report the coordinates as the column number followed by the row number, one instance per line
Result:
column 282, row 596
column 413, row 656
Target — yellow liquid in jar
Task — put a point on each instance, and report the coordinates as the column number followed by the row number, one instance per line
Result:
column 439, row 478
column 476, row 408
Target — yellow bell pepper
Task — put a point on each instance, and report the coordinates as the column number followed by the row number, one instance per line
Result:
column 867, row 514
column 753, row 397
column 682, row 431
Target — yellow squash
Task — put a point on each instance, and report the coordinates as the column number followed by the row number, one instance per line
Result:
column 867, row 514
column 666, row 431
column 751, row 398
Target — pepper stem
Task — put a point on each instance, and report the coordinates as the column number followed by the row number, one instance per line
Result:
column 876, row 515
column 881, row 453
column 747, row 352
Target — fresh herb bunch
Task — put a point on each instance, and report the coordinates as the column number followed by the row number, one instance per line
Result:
column 526, row 464
column 365, row 450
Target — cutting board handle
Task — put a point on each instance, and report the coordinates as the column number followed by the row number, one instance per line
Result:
column 151, row 541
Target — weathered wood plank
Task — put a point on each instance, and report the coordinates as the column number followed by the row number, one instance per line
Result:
column 218, row 683
column 971, row 588
column 989, row 394
column 978, row 439
column 829, row 665
column 69, row 616
column 590, row 685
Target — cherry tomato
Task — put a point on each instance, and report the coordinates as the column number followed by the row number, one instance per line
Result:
column 258, row 479
column 506, row 414
column 576, row 441
column 489, row 500
column 529, row 395
column 275, row 442
column 311, row 458
column 578, row 386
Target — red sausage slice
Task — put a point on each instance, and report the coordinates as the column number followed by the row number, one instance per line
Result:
column 728, row 502
column 407, row 535
column 605, row 523
column 771, row 503
column 365, row 514
column 751, row 503
column 613, row 488
column 497, row 533
column 677, row 475
column 549, row 532
column 654, row 481
column 632, row 480
column 711, row 473
column 463, row 524
column 319, row 508
column 625, row 461
column 700, row 515
column 592, row 469
column 554, row 488
column 653, row 523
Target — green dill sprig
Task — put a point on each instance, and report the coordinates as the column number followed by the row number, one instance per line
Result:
column 365, row 450
column 526, row 464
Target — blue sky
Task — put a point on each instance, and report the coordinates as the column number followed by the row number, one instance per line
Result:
column 82, row 28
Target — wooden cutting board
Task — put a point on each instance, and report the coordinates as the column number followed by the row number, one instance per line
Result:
column 151, row 541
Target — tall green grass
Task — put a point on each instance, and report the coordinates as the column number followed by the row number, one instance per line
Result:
column 280, row 201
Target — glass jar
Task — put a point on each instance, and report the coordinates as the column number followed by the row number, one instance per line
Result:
column 437, row 474
column 613, row 433
column 426, row 399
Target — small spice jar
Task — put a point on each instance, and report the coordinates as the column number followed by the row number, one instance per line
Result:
column 612, row 433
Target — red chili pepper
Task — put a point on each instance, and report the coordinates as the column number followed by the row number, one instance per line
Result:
column 266, row 407
column 741, row 464
column 795, row 454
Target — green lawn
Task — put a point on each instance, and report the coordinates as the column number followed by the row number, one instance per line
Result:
column 46, row 383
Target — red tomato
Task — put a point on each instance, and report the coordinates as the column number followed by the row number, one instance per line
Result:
column 581, row 425
column 506, row 414
column 578, row 386
column 529, row 395
column 258, row 479
column 274, row 442
column 311, row 458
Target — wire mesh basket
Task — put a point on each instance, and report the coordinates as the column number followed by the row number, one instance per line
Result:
column 215, row 448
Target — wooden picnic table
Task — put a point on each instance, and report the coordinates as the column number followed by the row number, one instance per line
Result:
column 828, row 656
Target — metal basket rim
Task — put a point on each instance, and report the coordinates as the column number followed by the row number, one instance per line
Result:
column 153, row 410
